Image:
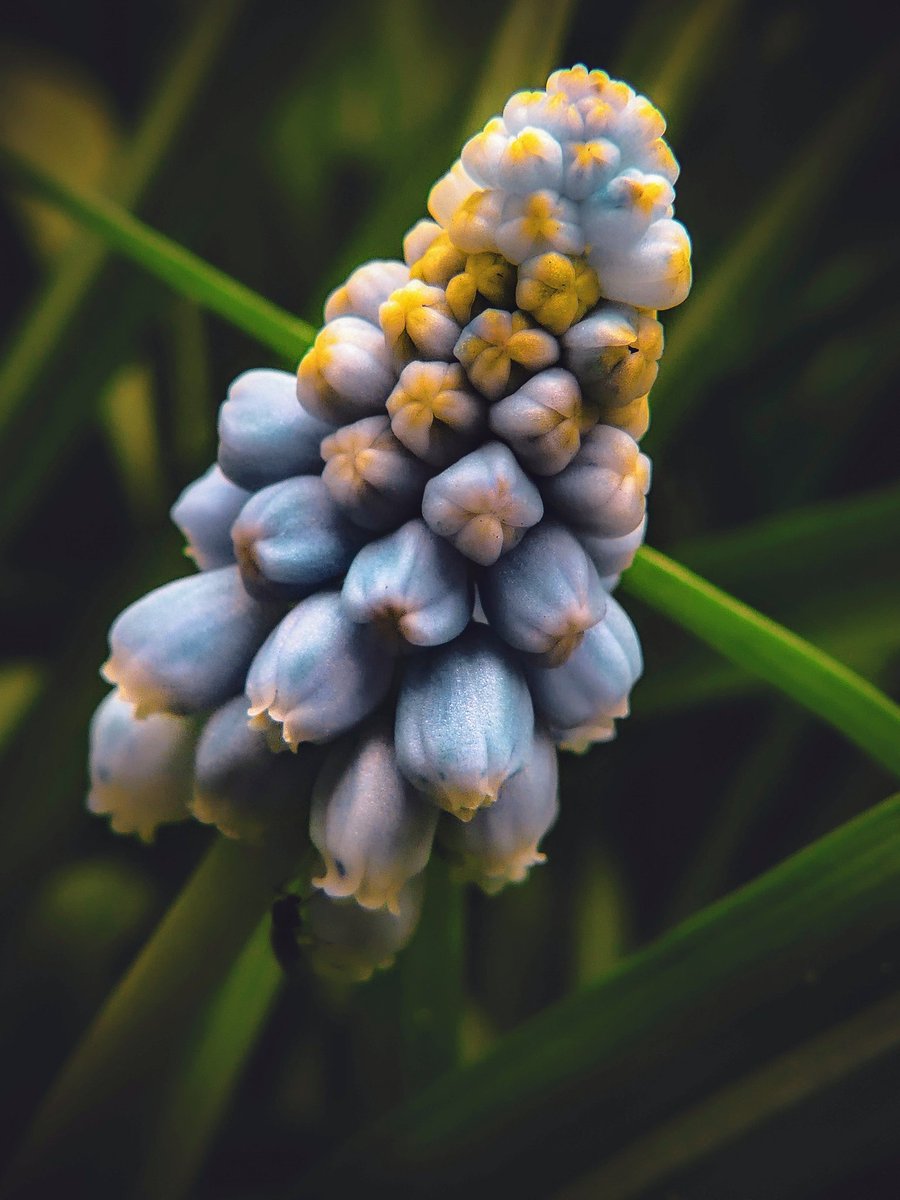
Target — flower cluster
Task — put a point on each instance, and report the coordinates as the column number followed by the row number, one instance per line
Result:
column 414, row 563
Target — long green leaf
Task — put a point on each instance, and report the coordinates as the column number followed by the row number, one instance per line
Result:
column 811, row 677
column 196, row 50
column 730, row 1113
column 705, row 1001
column 206, row 1078
column 92, row 1118
column 168, row 261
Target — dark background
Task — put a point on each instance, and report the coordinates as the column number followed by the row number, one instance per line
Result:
column 311, row 145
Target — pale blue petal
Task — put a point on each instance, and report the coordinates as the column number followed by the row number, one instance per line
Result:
column 205, row 512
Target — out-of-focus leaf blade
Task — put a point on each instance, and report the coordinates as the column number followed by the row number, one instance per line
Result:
column 576, row 1079
column 196, row 50
column 173, row 264
column 809, row 675
column 109, row 1087
column 206, row 1077
column 760, row 1096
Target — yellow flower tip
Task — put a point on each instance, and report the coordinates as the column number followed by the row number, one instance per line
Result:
column 461, row 292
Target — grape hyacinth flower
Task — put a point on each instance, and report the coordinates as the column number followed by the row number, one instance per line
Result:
column 407, row 551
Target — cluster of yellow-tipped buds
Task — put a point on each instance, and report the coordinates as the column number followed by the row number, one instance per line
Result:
column 415, row 562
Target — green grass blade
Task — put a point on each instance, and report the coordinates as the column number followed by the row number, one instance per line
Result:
column 732, row 1112
column 99, row 1104
column 678, row 81
column 716, row 321
column 206, row 1078
column 642, row 1031
column 197, row 49
column 173, row 264
column 523, row 52
column 808, row 675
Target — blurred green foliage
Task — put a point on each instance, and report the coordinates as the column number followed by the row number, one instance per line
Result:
column 284, row 144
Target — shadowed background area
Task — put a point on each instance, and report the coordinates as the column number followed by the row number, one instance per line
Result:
column 286, row 143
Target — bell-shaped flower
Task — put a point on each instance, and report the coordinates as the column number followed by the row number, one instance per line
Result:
column 438, row 259
column 371, row 475
column 556, row 290
column 621, row 212
column 614, row 353
column 613, row 555
column 366, row 290
column 544, row 594
column 481, row 154
column 589, row 166
column 544, row 421
column 291, row 538
column 497, row 342
column 319, row 673
column 552, row 112
column 264, row 434
column 418, row 323
column 536, row 223
column 412, row 585
column 632, row 418
column 603, row 489
column 372, row 828
column 531, row 160
column 205, row 512
column 593, row 685
column 349, row 943
column 464, row 721
column 473, row 227
column 241, row 787
column 654, row 272
column 186, row 646
column 450, row 191
column 347, row 373
column 483, row 503
column 140, row 768
column 487, row 275
column 435, row 413
column 500, row 844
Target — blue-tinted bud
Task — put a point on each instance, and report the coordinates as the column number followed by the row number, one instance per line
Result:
column 544, row 421
column 544, row 594
column 584, row 694
column 264, row 434
column 366, row 290
column 240, row 786
column 350, row 943
column 545, row 110
column 319, row 673
column 499, row 348
column 205, row 512
column 412, row 584
column 464, row 721
column 620, row 213
column 186, row 646
column 613, row 555
column 615, row 354
column 418, row 323
column 654, row 272
column 140, row 768
column 500, row 844
column 603, row 489
column 371, row 474
column 291, row 538
column 483, row 503
column 434, row 412
column 347, row 372
column 539, row 222
column 373, row 830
